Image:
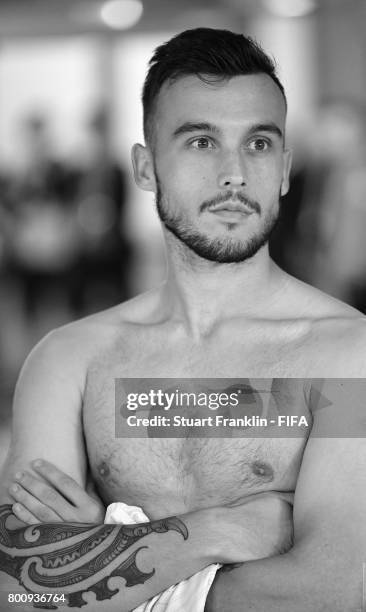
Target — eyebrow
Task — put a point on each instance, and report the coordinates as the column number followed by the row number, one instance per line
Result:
column 270, row 128
column 190, row 126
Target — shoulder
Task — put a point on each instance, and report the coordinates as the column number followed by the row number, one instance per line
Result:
column 342, row 340
column 74, row 345
column 336, row 332
column 335, row 322
column 311, row 302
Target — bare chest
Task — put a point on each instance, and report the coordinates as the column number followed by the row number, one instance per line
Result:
column 168, row 475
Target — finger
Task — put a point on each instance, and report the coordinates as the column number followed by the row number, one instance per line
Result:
column 38, row 509
column 24, row 515
column 66, row 485
column 45, row 495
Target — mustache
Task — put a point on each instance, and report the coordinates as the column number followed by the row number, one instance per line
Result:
column 231, row 196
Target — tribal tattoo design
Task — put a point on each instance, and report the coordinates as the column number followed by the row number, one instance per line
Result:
column 74, row 558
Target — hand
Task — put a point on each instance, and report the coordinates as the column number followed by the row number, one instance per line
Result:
column 272, row 532
column 259, row 526
column 60, row 498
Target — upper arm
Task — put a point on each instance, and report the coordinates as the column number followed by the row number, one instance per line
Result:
column 47, row 411
column 330, row 497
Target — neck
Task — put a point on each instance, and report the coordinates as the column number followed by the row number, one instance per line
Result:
column 200, row 293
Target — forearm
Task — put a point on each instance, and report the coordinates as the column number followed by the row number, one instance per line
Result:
column 75, row 559
column 289, row 583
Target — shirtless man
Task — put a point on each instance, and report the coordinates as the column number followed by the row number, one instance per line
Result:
column 215, row 157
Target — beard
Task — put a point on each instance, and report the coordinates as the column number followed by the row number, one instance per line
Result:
column 218, row 250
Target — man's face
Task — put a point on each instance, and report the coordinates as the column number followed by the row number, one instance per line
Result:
column 219, row 163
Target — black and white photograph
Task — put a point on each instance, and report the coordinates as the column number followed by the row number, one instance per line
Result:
column 182, row 305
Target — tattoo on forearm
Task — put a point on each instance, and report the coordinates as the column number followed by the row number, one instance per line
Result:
column 76, row 558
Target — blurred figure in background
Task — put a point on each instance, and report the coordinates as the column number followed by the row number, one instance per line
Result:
column 43, row 242
column 64, row 250
column 320, row 234
column 331, row 227
column 5, row 224
column 105, row 251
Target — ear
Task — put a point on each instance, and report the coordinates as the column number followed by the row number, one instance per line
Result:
column 287, row 161
column 143, row 167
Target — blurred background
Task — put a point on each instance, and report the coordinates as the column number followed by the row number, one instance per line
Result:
column 76, row 235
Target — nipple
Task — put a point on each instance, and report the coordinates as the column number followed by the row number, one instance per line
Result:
column 263, row 470
column 103, row 470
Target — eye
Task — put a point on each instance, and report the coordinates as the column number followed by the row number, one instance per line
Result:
column 259, row 144
column 202, row 143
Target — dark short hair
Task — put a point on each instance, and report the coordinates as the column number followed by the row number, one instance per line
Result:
column 203, row 51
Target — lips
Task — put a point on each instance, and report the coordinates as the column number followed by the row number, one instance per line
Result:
column 236, row 207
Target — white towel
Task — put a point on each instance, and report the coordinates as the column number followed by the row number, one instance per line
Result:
column 186, row 596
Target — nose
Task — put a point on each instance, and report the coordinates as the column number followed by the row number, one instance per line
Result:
column 232, row 172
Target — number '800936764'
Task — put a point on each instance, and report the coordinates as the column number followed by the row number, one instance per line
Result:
column 36, row 598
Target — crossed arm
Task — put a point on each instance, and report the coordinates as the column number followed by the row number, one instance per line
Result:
column 120, row 566
column 81, row 560
column 78, row 560
column 311, row 576
column 323, row 570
